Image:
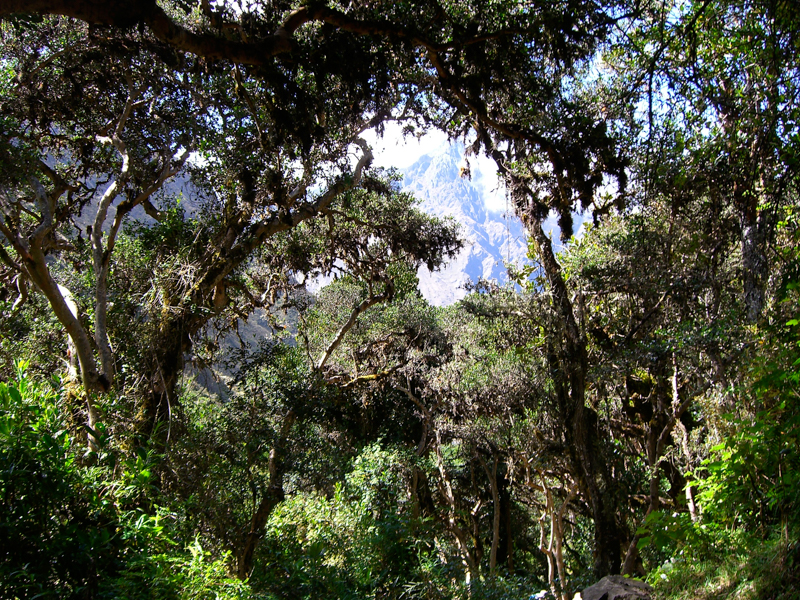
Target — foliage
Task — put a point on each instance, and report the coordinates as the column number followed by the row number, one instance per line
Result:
column 745, row 545
column 182, row 171
column 74, row 526
column 742, row 567
column 59, row 537
column 360, row 543
column 751, row 480
column 156, row 568
column 32, row 335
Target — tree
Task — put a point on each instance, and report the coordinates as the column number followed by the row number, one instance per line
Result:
column 719, row 81
column 539, row 182
column 286, row 130
column 79, row 150
column 508, row 72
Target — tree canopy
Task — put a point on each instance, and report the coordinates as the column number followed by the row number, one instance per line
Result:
column 174, row 175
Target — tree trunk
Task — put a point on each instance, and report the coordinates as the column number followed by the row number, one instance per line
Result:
column 66, row 312
column 505, row 551
column 170, row 345
column 553, row 549
column 754, row 263
column 469, row 559
column 492, row 475
column 569, row 369
column 595, row 482
column 272, row 497
column 658, row 435
column 755, row 267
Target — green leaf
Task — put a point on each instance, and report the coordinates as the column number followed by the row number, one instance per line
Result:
column 15, row 395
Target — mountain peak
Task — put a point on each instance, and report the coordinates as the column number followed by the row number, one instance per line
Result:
column 490, row 239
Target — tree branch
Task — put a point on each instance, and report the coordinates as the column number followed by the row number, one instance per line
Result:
column 365, row 304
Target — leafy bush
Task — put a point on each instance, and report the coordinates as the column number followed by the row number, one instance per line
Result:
column 158, row 567
column 746, row 544
column 88, row 526
column 360, row 543
column 753, row 478
column 58, row 535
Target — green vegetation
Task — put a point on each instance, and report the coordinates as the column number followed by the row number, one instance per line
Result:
column 77, row 525
column 181, row 417
column 744, row 567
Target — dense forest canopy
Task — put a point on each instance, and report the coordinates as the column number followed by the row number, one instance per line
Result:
column 173, row 174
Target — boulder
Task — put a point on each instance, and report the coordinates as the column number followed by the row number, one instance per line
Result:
column 617, row 587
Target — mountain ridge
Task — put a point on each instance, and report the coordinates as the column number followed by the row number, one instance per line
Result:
column 492, row 238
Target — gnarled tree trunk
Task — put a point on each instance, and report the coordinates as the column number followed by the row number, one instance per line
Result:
column 569, row 367
column 271, row 498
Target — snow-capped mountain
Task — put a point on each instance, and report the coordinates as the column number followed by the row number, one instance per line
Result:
column 492, row 239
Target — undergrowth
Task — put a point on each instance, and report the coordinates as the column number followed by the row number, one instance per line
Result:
column 745, row 567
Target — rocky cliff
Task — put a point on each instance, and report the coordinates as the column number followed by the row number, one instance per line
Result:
column 492, row 239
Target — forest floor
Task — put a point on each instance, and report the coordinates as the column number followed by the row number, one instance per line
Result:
column 749, row 568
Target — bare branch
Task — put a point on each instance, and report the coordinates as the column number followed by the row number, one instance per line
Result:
column 46, row 206
column 368, row 302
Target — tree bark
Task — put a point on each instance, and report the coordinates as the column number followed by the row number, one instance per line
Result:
column 659, row 434
column 34, row 266
column 492, row 475
column 273, row 496
column 171, row 344
column 554, row 548
column 755, row 266
column 446, row 489
column 505, row 551
column 569, row 371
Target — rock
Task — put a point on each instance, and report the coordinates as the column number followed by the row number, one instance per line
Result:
column 491, row 239
column 617, row 587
